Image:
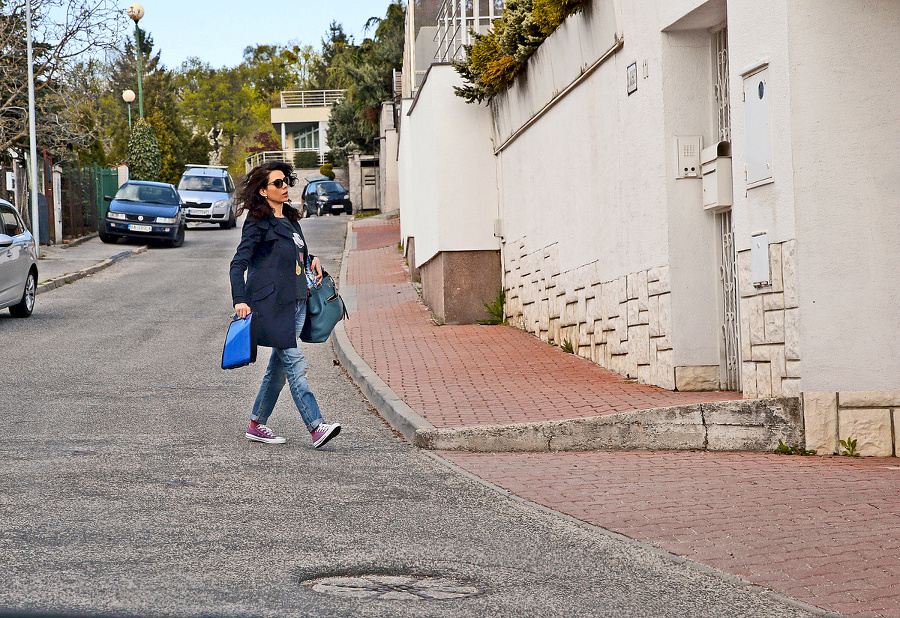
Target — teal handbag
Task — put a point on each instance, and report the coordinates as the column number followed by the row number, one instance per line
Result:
column 324, row 309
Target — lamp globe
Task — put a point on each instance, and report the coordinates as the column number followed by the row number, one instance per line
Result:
column 136, row 12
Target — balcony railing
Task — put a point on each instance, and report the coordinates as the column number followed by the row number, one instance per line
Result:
column 259, row 158
column 456, row 19
column 311, row 98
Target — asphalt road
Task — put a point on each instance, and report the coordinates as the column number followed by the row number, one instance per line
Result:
column 127, row 487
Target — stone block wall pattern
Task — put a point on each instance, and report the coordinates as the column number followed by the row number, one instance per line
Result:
column 770, row 325
column 870, row 418
column 623, row 324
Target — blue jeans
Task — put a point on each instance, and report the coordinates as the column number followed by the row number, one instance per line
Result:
column 287, row 364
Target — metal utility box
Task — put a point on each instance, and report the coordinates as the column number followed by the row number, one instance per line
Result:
column 718, row 184
column 687, row 157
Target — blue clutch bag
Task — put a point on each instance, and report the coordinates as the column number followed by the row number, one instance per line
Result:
column 240, row 343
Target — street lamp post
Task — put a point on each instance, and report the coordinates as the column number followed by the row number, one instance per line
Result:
column 128, row 97
column 32, row 137
column 135, row 12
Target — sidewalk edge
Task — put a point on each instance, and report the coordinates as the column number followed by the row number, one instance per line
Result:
column 388, row 404
column 755, row 425
column 661, row 553
column 52, row 284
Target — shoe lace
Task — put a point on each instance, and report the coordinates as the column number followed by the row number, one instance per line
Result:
column 265, row 430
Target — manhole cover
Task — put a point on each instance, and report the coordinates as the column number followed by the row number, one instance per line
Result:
column 394, row 587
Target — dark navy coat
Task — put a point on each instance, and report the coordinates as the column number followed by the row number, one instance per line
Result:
column 268, row 255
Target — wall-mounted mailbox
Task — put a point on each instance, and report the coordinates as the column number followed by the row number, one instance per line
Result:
column 718, row 184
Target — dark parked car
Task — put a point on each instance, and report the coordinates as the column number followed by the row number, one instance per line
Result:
column 145, row 210
column 326, row 196
column 18, row 263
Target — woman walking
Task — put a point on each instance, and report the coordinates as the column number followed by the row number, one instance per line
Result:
column 278, row 267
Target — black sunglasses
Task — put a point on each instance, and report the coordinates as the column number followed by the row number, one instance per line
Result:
column 280, row 182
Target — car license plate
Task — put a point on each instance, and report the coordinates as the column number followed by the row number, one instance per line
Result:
column 140, row 228
column 196, row 211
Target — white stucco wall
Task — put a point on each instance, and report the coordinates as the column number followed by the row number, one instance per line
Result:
column 409, row 173
column 594, row 177
column 446, row 156
column 758, row 36
column 693, row 239
column 589, row 174
column 845, row 88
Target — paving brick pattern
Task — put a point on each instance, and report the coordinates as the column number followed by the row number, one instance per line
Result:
column 825, row 530
column 822, row 530
column 459, row 376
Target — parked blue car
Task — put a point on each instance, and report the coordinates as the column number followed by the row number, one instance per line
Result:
column 146, row 211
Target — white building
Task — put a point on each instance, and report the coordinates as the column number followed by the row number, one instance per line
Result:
column 302, row 121
column 772, row 268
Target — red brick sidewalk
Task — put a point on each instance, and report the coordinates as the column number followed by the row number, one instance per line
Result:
column 824, row 530
column 460, row 376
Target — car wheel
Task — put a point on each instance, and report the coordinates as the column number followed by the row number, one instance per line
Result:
column 179, row 238
column 348, row 210
column 108, row 238
column 25, row 306
column 230, row 223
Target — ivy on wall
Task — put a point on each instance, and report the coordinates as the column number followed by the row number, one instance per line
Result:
column 493, row 61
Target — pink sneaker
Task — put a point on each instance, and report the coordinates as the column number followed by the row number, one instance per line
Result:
column 324, row 432
column 261, row 433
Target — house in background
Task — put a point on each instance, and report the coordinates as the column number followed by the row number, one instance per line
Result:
column 302, row 121
column 698, row 195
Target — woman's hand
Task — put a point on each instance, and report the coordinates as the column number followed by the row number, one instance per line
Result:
column 242, row 310
column 317, row 268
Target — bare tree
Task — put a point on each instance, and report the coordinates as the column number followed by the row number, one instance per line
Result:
column 64, row 32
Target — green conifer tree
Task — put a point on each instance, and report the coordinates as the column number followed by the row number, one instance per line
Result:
column 143, row 153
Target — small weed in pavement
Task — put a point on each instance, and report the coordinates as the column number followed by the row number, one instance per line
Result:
column 850, row 448
column 567, row 346
column 495, row 310
column 793, row 449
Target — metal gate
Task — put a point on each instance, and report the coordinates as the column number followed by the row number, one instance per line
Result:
column 727, row 255
column 730, row 325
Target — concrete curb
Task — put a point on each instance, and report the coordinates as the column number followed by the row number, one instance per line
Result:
column 747, row 425
column 743, row 425
column 52, row 284
column 389, row 405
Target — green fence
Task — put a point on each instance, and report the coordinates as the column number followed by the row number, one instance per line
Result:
column 106, row 182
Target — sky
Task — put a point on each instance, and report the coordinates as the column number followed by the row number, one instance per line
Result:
column 217, row 32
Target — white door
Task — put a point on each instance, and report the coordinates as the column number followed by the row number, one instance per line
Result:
column 757, row 114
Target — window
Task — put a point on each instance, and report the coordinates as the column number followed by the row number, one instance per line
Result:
column 307, row 138
column 201, row 183
column 12, row 225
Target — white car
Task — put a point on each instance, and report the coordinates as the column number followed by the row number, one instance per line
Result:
column 18, row 263
column 208, row 192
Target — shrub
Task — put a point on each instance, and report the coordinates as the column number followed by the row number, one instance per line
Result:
column 306, row 160
column 494, row 60
column 143, row 153
column 327, row 170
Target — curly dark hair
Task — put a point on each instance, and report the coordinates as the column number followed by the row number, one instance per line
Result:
column 250, row 201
